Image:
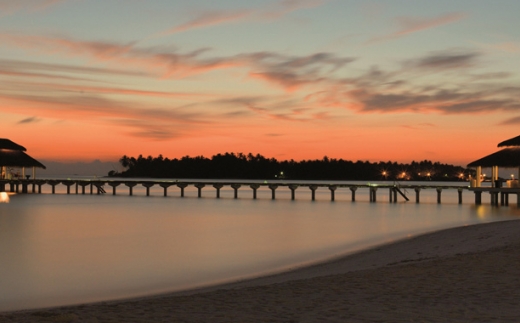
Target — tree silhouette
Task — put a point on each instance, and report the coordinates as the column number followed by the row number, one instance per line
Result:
column 241, row 166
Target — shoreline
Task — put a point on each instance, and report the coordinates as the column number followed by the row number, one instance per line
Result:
column 445, row 254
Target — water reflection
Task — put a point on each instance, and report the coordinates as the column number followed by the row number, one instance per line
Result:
column 66, row 249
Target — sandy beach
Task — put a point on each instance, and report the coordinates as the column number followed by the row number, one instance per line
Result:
column 466, row 274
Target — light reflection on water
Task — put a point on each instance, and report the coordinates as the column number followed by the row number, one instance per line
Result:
column 65, row 249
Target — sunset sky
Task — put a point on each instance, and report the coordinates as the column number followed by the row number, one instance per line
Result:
column 396, row 80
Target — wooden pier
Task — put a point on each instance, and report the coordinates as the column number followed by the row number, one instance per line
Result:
column 395, row 192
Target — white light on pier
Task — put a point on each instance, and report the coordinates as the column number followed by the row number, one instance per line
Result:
column 4, row 197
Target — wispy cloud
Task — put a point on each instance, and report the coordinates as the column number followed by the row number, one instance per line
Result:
column 275, row 11
column 59, row 71
column 409, row 25
column 29, row 120
column 211, row 18
column 288, row 71
column 317, row 79
column 379, row 91
column 445, row 60
column 97, row 109
column 511, row 122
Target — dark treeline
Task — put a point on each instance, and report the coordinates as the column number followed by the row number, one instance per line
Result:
column 240, row 166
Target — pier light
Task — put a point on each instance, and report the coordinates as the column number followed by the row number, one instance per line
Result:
column 4, row 197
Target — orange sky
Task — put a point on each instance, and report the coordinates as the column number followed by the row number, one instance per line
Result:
column 286, row 79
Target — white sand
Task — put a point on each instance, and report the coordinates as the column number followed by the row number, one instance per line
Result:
column 468, row 274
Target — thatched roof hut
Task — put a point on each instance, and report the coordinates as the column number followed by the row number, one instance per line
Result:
column 9, row 145
column 13, row 155
column 508, row 157
column 513, row 142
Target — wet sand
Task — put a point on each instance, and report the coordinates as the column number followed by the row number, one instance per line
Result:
column 467, row 274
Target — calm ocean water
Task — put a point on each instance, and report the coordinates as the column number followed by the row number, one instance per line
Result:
column 68, row 249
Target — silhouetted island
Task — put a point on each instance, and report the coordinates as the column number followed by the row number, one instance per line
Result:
column 241, row 166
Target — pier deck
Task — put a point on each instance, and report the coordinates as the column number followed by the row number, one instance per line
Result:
column 498, row 196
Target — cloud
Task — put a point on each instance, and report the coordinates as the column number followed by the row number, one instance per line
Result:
column 418, row 126
column 272, row 12
column 103, row 110
column 30, row 69
column 96, row 90
column 211, row 18
column 511, row 122
column 445, row 60
column 409, row 25
column 294, row 72
column 379, row 91
column 315, row 80
column 29, row 120
column 290, row 72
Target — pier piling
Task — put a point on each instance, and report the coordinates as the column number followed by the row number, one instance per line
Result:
column 165, row 187
column 439, row 192
column 293, row 189
column 218, row 187
column 313, row 189
column 353, row 190
column 332, row 189
column 182, row 186
column 147, row 185
column 273, row 188
column 373, row 194
column 254, row 187
column 236, row 187
column 199, row 187
column 130, row 187
column 114, row 185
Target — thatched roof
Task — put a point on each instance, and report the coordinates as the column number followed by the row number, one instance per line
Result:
column 508, row 157
column 513, row 142
column 17, row 158
column 8, row 144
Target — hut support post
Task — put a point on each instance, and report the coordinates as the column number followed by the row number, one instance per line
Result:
column 478, row 176
column 494, row 176
column 478, row 198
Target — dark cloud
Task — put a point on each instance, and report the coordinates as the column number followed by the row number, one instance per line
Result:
column 445, row 60
column 150, row 130
column 443, row 101
column 29, row 120
column 511, row 122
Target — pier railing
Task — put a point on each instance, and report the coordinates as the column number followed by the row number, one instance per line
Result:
column 108, row 186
